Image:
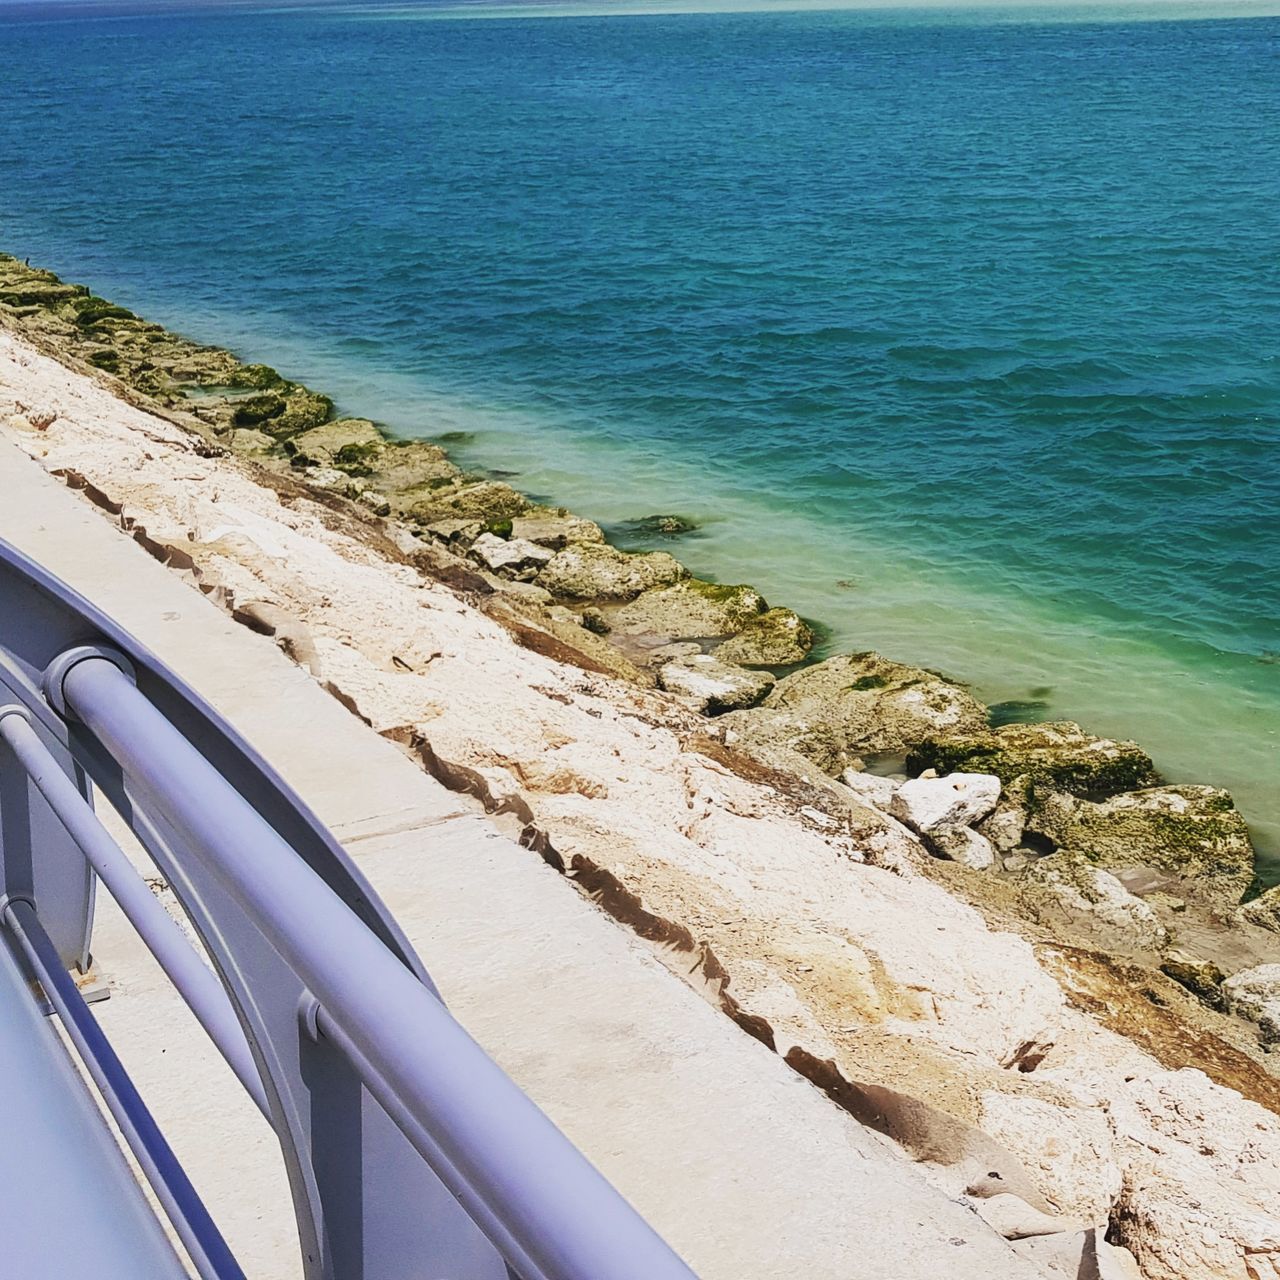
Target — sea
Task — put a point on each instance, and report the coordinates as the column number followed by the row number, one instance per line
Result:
column 957, row 330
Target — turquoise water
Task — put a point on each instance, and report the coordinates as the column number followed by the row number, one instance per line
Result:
column 958, row 330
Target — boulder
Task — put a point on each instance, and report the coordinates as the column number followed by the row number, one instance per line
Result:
column 713, row 686
column 1092, row 895
column 1262, row 911
column 958, row 800
column 1255, row 994
column 1191, row 832
column 597, row 571
column 510, row 557
column 690, row 608
column 349, row 444
column 870, row 787
column 1060, row 755
column 1078, row 1255
column 962, row 844
column 775, row 638
column 1068, row 1150
column 852, row 706
column 555, row 529
column 1201, row 977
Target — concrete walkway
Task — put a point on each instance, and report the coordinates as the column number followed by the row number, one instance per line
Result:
column 747, row 1170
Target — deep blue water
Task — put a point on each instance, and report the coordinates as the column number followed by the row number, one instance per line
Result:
column 959, row 330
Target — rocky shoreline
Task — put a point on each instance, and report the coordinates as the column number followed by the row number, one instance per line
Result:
column 1131, row 891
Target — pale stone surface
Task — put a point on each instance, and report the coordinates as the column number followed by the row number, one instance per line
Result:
column 1079, row 887
column 879, row 791
column 957, row 800
column 768, row 1179
column 1014, row 1219
column 513, row 556
column 597, row 571
column 1255, row 994
column 962, row 844
column 713, row 686
column 1068, row 1151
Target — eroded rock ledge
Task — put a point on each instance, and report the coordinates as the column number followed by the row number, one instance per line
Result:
column 1090, row 1077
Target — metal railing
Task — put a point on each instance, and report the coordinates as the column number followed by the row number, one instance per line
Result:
column 409, row 1152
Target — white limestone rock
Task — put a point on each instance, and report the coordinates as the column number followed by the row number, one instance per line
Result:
column 963, row 844
column 513, row 557
column 1068, row 1151
column 1083, row 890
column 870, row 787
column 713, row 686
column 1255, row 994
column 958, row 800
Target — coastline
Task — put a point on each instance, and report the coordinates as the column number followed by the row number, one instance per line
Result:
column 784, row 766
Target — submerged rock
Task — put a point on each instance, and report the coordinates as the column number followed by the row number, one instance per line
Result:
column 597, row 571
column 713, row 686
column 691, row 608
column 775, row 638
column 1060, row 754
column 871, row 787
column 668, row 526
column 1191, row 832
column 1255, row 994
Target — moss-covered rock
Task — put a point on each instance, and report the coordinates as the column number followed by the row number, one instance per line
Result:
column 690, row 608
column 350, row 444
column 852, row 706
column 91, row 310
column 1060, row 754
column 597, row 571
column 1194, row 833
column 775, row 638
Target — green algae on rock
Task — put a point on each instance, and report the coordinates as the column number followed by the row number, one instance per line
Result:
column 1059, row 753
column 690, row 608
column 776, row 638
column 597, row 571
column 855, row 705
column 1192, row 832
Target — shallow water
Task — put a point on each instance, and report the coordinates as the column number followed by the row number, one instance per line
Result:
column 957, row 330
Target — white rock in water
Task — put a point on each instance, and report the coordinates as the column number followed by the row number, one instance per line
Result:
column 712, row 685
column 1255, row 994
column 963, row 844
column 957, row 800
column 870, row 787
column 512, row 555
